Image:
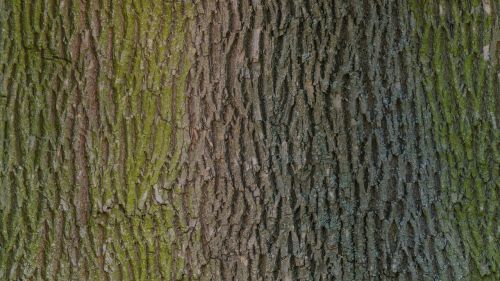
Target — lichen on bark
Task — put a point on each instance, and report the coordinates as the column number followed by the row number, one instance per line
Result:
column 92, row 110
column 249, row 140
column 461, row 84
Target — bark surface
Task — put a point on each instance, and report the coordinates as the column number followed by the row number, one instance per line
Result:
column 91, row 111
column 346, row 140
column 249, row 140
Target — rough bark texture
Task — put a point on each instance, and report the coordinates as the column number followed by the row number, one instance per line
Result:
column 249, row 140
column 346, row 140
column 92, row 99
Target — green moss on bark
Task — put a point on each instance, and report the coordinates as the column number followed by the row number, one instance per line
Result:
column 459, row 79
column 92, row 104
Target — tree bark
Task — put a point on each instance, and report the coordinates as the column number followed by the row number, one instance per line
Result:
column 92, row 106
column 249, row 140
column 346, row 140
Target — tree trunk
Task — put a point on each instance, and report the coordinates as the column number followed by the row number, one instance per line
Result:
column 249, row 140
column 93, row 95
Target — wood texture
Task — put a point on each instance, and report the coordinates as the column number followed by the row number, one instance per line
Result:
column 249, row 140
column 91, row 110
column 346, row 140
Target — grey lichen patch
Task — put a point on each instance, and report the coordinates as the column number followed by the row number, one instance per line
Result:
column 486, row 52
column 487, row 7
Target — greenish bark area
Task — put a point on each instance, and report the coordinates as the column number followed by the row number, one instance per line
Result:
column 460, row 82
column 91, row 106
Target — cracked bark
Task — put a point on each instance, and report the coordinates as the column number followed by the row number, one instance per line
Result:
column 249, row 140
column 336, row 140
column 90, row 130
